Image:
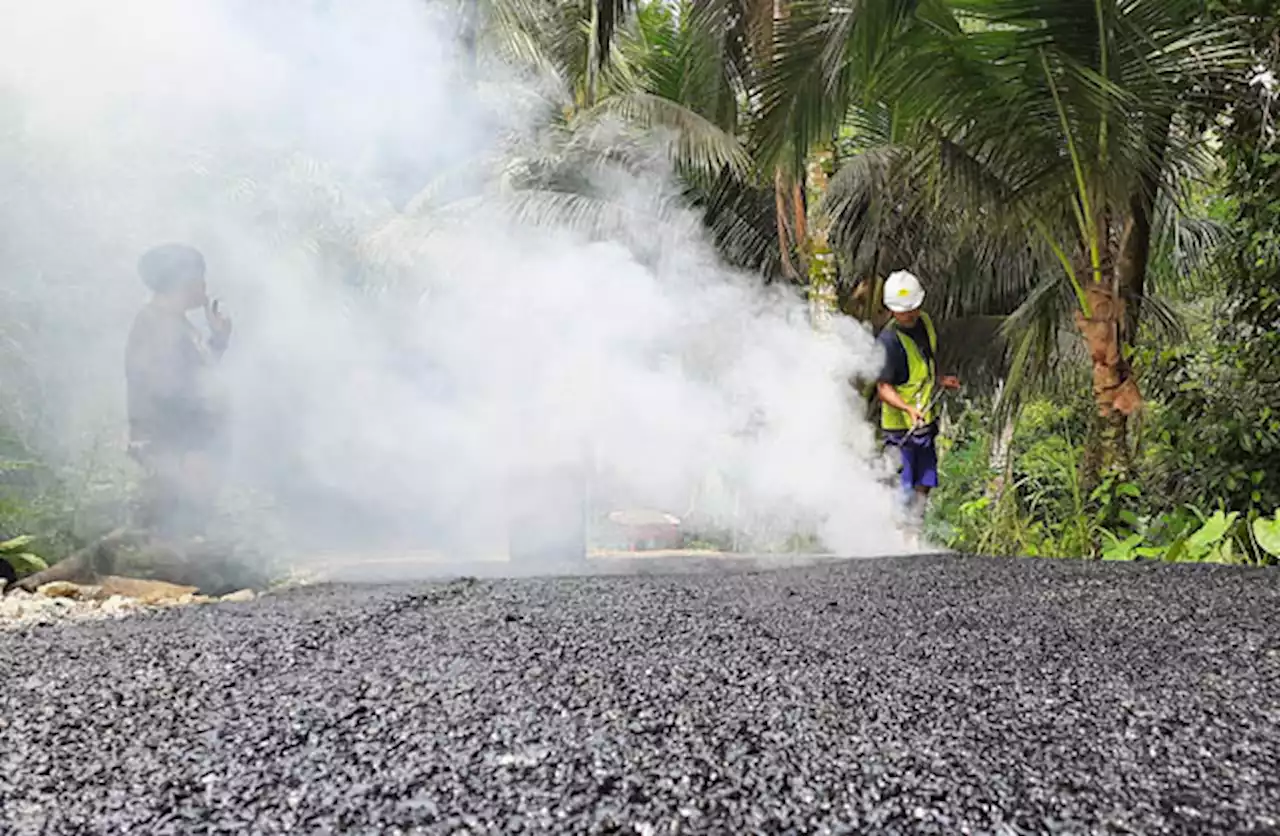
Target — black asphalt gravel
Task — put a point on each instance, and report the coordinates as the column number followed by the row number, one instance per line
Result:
column 913, row 695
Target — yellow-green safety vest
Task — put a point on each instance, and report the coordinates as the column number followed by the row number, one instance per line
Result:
column 921, row 375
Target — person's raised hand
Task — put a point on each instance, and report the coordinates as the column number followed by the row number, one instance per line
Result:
column 219, row 322
column 950, row 381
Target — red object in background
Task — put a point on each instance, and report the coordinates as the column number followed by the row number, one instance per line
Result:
column 644, row 529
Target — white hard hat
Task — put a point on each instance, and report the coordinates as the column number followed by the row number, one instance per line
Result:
column 903, row 292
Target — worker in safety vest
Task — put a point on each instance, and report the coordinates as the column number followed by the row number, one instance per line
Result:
column 907, row 388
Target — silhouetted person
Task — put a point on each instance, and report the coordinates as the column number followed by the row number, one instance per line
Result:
column 177, row 426
column 177, row 429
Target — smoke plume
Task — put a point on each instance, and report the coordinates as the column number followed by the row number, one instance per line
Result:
column 407, row 342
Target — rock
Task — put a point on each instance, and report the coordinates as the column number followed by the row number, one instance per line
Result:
column 61, row 601
column 67, row 589
column 239, row 597
column 59, row 589
column 145, row 592
column 13, row 604
column 117, row 605
column 184, row 600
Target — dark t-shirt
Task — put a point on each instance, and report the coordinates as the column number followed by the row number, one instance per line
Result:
column 166, row 367
column 896, row 371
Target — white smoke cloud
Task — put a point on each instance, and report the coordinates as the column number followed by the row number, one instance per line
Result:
column 393, row 403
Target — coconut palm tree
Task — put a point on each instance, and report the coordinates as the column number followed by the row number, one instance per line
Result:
column 672, row 77
column 723, row 43
column 1050, row 129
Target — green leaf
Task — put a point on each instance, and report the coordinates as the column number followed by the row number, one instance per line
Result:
column 1267, row 533
column 25, row 563
column 1200, row 543
column 1119, row 549
column 1177, row 550
column 17, row 544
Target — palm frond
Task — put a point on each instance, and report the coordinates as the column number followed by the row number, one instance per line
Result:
column 976, row 349
column 740, row 218
column 699, row 144
column 517, row 31
column 1162, row 319
column 860, row 201
column 1182, row 245
column 822, row 53
column 594, row 217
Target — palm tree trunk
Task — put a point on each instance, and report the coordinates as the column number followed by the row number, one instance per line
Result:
column 788, row 199
column 593, row 57
column 782, row 217
column 1113, row 324
column 1115, row 391
column 1135, row 240
column 821, row 261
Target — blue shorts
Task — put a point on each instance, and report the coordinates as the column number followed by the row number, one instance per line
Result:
column 919, row 458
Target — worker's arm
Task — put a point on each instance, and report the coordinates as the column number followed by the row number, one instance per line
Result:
column 888, row 394
column 219, row 329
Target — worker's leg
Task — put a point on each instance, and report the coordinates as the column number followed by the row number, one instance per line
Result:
column 907, row 493
column 926, row 475
column 178, row 490
column 919, row 476
column 201, row 479
column 159, row 486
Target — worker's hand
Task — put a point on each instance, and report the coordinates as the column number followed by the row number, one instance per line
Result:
column 916, row 416
column 949, row 381
column 219, row 323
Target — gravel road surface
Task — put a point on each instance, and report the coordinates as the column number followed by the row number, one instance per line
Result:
column 912, row 695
